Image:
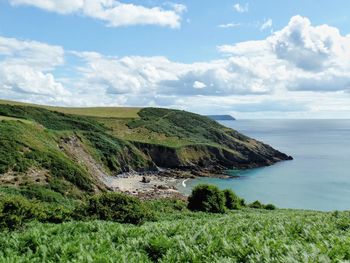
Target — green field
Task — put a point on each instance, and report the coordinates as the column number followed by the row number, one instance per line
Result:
column 242, row 236
column 5, row 118
column 108, row 112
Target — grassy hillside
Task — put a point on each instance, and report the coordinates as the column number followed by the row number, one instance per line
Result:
column 33, row 141
column 241, row 236
column 71, row 154
column 115, row 112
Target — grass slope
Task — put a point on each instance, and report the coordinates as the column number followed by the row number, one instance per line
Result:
column 115, row 112
column 242, row 236
column 33, row 143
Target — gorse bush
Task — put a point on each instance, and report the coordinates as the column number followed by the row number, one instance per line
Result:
column 207, row 198
column 117, row 207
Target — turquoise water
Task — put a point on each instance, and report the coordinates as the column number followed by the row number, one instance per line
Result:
column 319, row 176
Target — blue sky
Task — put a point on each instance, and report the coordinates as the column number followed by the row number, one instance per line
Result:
column 274, row 59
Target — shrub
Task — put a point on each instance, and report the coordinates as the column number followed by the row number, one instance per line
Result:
column 15, row 211
column 256, row 204
column 56, row 214
column 232, row 201
column 270, row 207
column 117, row 207
column 207, row 198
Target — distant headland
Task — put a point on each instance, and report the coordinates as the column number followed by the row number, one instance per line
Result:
column 221, row 117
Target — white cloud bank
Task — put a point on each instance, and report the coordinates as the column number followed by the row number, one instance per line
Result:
column 25, row 67
column 114, row 13
column 301, row 70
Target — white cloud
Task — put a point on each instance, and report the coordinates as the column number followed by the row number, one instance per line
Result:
column 199, row 85
column 311, row 48
column 300, row 56
column 241, row 8
column 115, row 13
column 266, row 24
column 295, row 71
column 26, row 80
column 33, row 53
column 26, row 65
column 230, row 25
column 179, row 8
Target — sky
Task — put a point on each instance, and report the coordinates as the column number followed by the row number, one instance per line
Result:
column 250, row 59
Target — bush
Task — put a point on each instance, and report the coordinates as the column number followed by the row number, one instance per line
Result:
column 15, row 211
column 232, row 201
column 207, row 198
column 270, row 207
column 256, row 204
column 56, row 214
column 117, row 207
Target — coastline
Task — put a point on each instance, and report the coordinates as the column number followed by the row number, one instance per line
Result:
column 163, row 183
column 150, row 185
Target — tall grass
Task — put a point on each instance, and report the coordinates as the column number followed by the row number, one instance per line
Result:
column 241, row 236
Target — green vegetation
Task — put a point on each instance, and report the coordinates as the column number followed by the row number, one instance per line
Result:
column 239, row 236
column 16, row 211
column 25, row 146
column 184, row 125
column 164, row 230
column 116, row 207
column 232, row 201
column 117, row 155
column 210, row 199
column 207, row 198
column 114, row 112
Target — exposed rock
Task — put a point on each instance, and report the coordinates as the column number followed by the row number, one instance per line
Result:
column 145, row 180
column 74, row 148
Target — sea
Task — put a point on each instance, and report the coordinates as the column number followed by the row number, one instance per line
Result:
column 317, row 179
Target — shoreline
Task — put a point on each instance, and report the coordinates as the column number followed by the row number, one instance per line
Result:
column 164, row 183
column 146, row 185
column 184, row 182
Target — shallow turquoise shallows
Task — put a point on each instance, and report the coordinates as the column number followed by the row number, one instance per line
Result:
column 319, row 176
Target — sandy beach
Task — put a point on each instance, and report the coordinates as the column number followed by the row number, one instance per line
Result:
column 145, row 186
